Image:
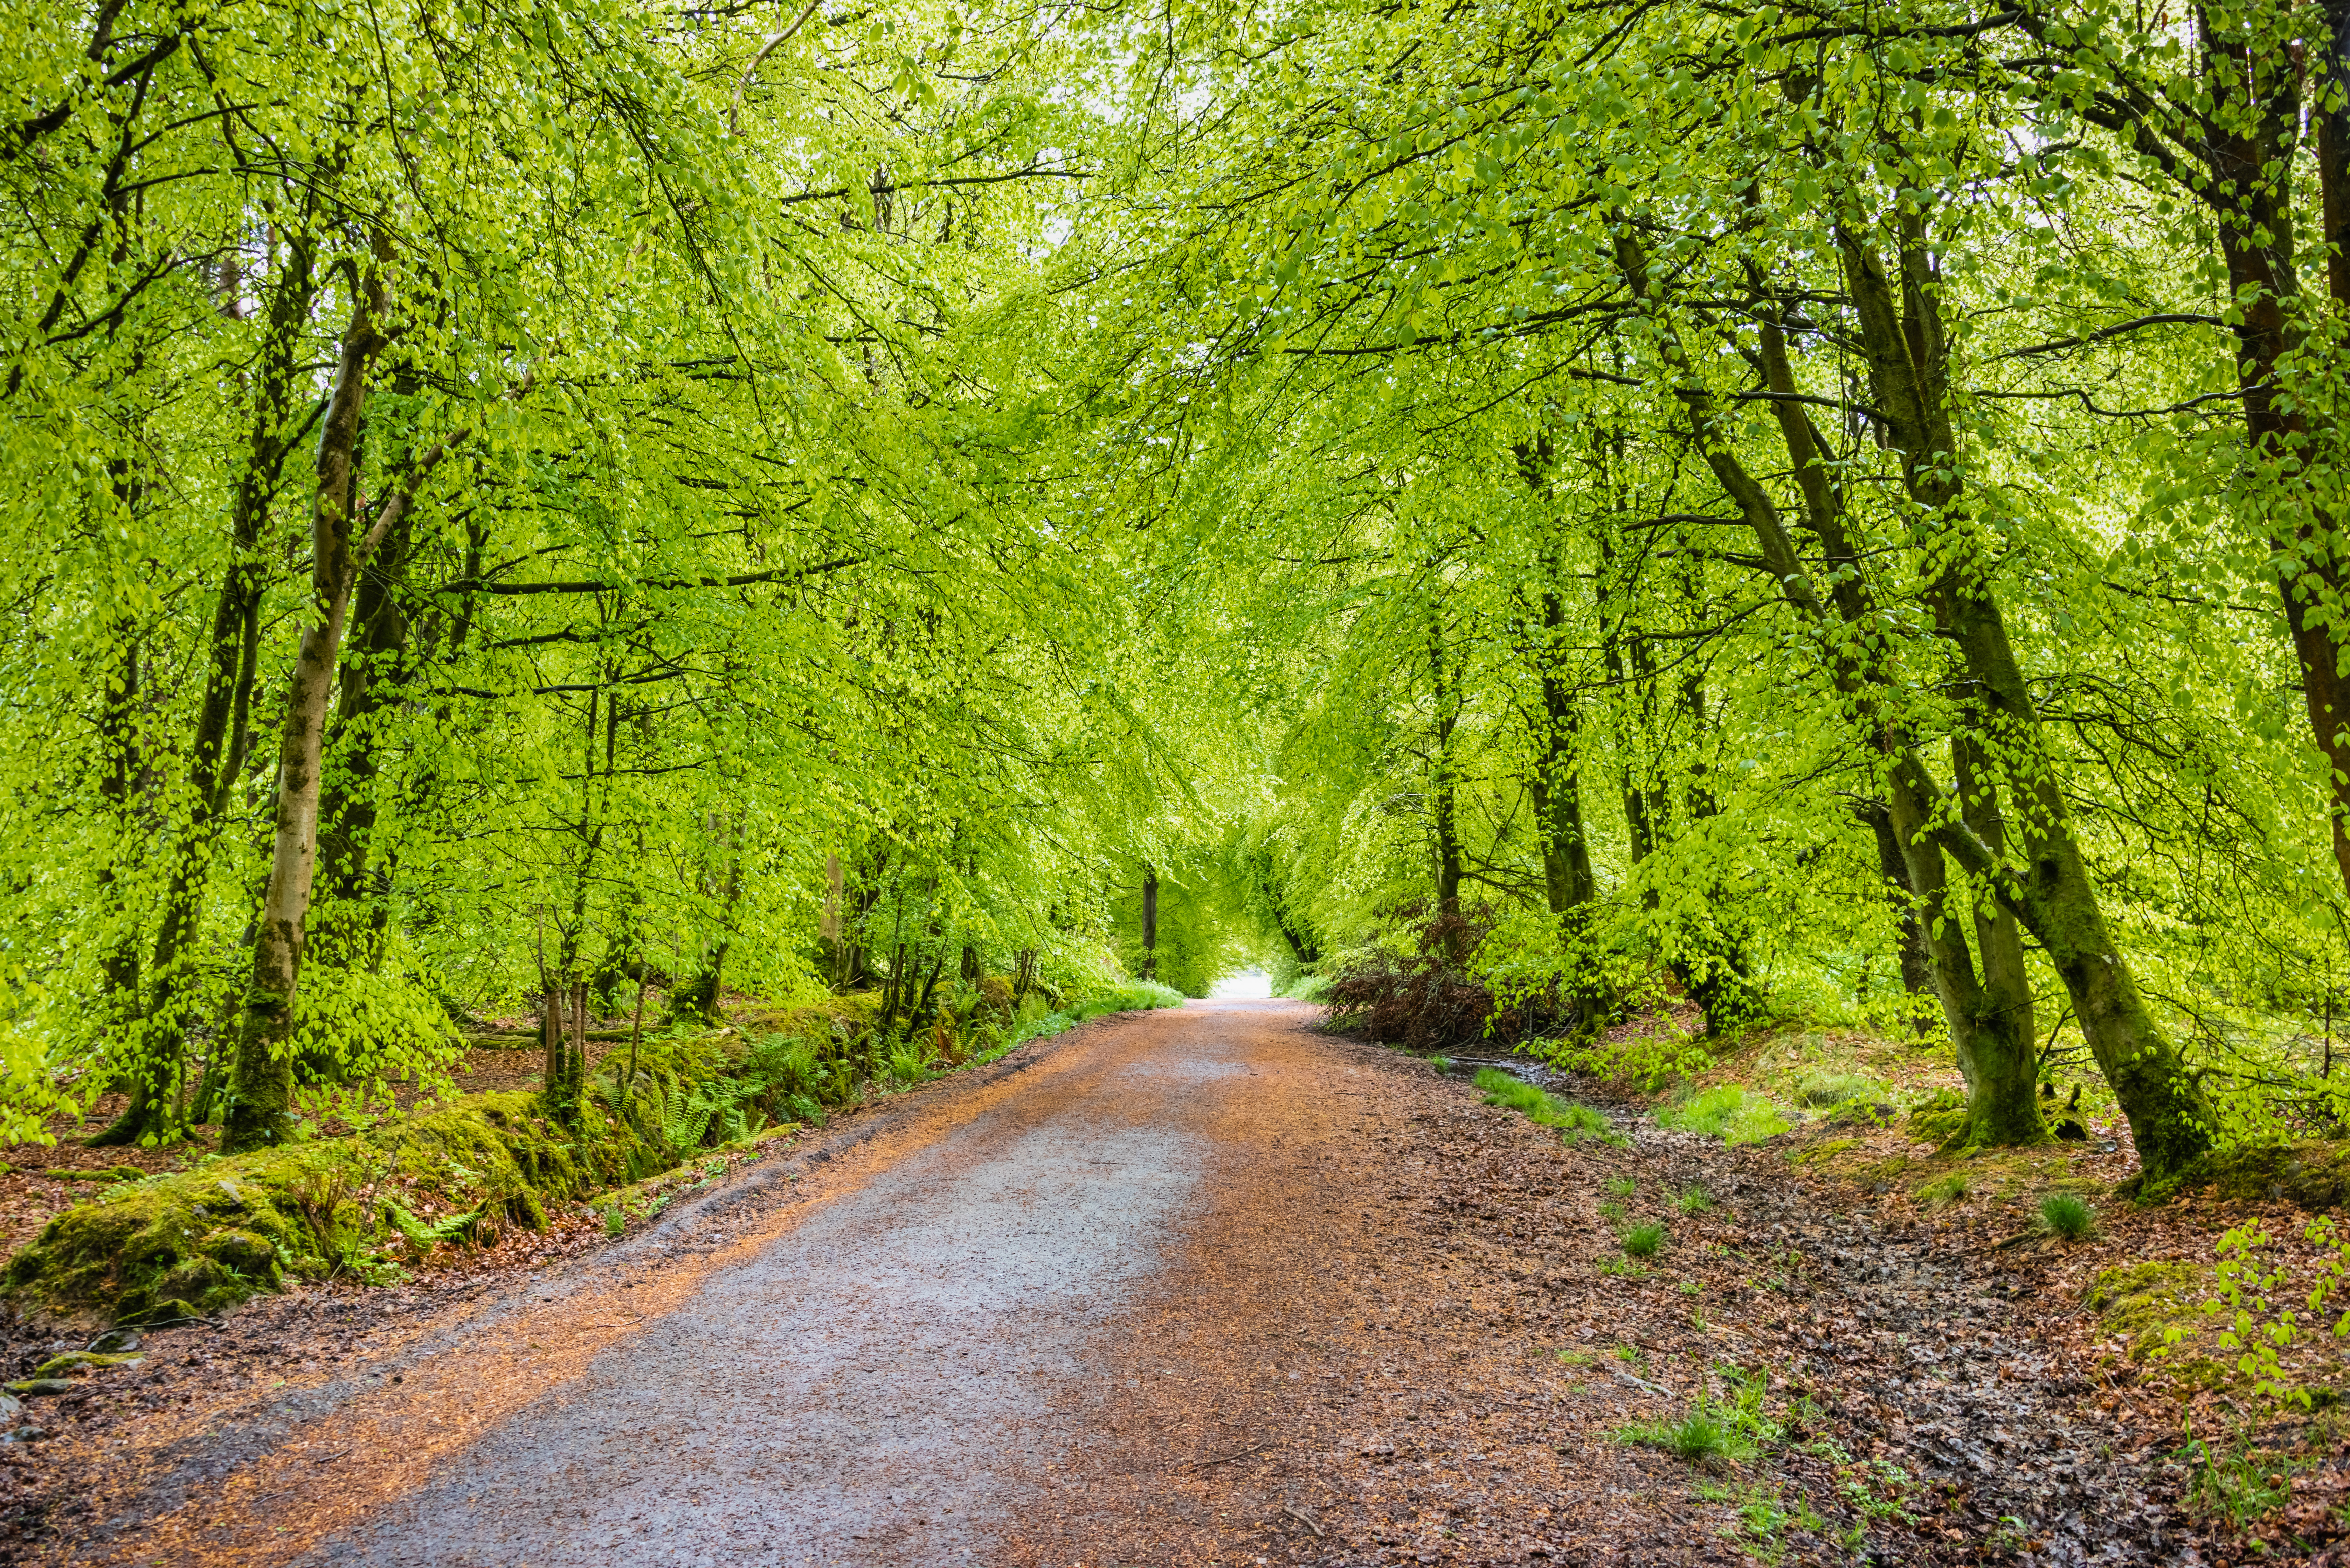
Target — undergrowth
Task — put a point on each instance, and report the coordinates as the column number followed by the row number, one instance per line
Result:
column 1730, row 1112
column 1575, row 1122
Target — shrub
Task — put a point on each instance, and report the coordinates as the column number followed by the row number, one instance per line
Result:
column 1428, row 999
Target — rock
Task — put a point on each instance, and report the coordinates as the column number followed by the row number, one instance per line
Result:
column 83, row 1361
column 35, row 1387
column 10, row 1409
column 116, row 1342
column 25, row 1434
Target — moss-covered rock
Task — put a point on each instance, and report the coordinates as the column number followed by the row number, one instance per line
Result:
column 1940, row 1120
column 192, row 1243
column 2155, row 1310
column 2314, row 1175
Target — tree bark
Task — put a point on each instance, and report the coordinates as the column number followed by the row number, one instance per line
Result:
column 353, row 910
column 1150, row 923
column 2045, row 882
column 263, row 1082
column 1442, row 793
column 1909, row 937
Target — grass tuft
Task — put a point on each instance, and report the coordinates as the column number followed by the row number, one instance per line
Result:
column 1730, row 1112
column 1644, row 1241
column 1703, row 1436
column 1694, row 1200
column 1948, row 1189
column 1831, row 1089
column 2063, row 1214
column 1574, row 1122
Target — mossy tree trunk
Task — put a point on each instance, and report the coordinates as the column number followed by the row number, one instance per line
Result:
column 1853, row 632
column 261, row 1084
column 1909, row 935
column 1570, row 887
column 1149, row 922
column 2043, row 880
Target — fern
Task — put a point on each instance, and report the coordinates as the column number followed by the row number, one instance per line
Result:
column 423, row 1236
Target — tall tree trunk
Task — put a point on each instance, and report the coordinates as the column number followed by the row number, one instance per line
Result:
column 2248, row 156
column 1443, row 794
column 1150, row 923
column 353, row 913
column 2045, row 882
column 118, row 786
column 217, row 745
column 263, row 1083
column 1909, row 937
column 1569, row 887
column 1852, row 649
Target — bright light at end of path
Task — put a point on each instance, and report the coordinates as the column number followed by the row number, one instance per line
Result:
column 1249, row 985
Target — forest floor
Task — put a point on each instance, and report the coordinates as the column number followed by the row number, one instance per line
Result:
column 1198, row 1286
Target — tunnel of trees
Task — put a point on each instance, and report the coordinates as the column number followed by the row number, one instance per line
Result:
column 1820, row 509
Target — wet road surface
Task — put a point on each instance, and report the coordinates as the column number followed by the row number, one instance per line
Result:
column 877, row 1380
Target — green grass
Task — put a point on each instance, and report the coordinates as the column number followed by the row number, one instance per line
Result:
column 1694, row 1200
column 1705, row 1436
column 1574, row 1122
column 2063, row 1214
column 1948, row 1189
column 2240, row 1486
column 1644, row 1241
column 1612, row 1212
column 1621, row 1186
column 1833, row 1088
column 1730, row 1112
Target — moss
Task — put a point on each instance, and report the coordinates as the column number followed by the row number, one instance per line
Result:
column 194, row 1243
column 1945, row 1190
column 1821, row 1153
column 83, row 1361
column 2314, row 1175
column 1940, row 1120
column 2142, row 1304
column 1884, row 1172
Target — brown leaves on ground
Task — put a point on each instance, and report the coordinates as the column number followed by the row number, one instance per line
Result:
column 1444, row 1357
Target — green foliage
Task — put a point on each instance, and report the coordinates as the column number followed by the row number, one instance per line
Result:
column 2257, row 1325
column 1575, row 1122
column 839, row 503
column 1730, row 1112
column 2236, row 1483
column 2067, row 1215
column 1645, row 1240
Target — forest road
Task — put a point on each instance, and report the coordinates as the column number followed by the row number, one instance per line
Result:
column 918, row 1354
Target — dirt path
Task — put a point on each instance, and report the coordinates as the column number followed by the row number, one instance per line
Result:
column 1189, row 1287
